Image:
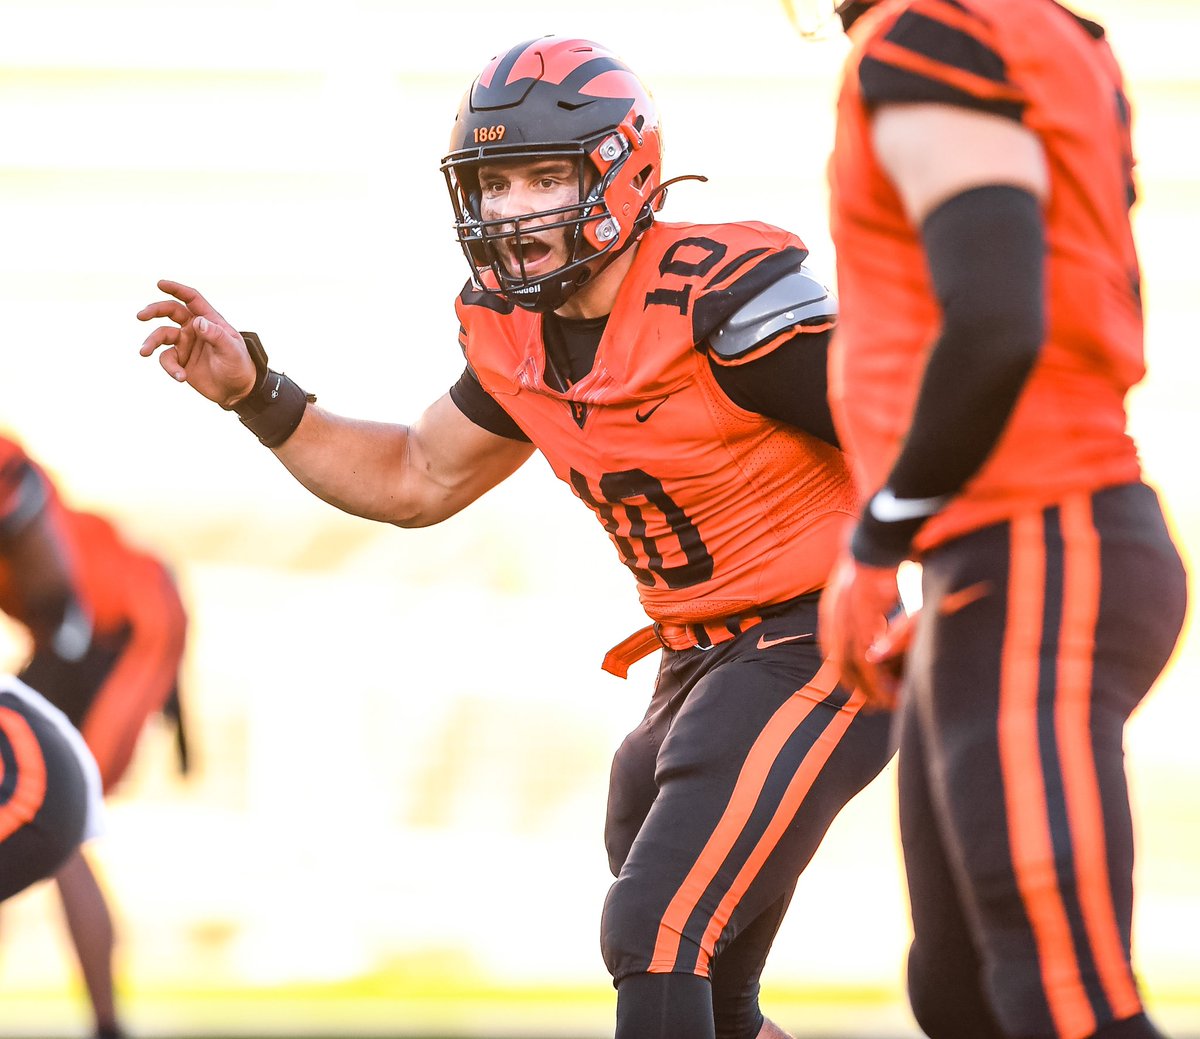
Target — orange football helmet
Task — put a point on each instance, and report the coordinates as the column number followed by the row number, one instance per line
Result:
column 555, row 98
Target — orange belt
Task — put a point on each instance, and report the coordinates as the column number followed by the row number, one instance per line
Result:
column 662, row 634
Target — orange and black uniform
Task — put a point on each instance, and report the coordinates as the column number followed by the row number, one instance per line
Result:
column 1053, row 595
column 138, row 625
column 729, row 520
column 49, row 788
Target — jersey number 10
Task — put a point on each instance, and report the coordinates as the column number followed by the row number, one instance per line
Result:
column 623, row 502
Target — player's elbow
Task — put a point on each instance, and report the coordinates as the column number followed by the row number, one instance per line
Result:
column 424, row 505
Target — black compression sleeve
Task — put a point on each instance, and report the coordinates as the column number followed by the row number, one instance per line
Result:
column 986, row 250
column 481, row 408
column 789, row 384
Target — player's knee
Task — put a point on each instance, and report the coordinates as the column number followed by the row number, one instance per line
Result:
column 737, row 1017
column 1137, row 1027
column 945, row 1003
column 629, row 930
column 935, row 1009
column 664, row 1006
column 623, row 929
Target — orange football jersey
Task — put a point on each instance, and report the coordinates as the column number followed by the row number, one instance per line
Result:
column 1068, row 429
column 715, row 509
column 110, row 575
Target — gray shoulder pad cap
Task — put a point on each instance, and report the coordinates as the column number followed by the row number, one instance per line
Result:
column 795, row 299
column 32, row 497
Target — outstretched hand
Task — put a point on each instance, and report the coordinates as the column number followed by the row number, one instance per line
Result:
column 856, row 635
column 203, row 349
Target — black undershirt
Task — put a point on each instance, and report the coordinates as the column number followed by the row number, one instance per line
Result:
column 788, row 384
column 571, row 345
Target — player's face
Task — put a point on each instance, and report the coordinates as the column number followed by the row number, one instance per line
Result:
column 509, row 190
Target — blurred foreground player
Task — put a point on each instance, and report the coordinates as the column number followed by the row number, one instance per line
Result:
column 673, row 375
column 50, row 798
column 981, row 184
column 107, row 629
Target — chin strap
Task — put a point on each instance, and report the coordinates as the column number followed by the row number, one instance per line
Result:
column 850, row 11
column 661, row 190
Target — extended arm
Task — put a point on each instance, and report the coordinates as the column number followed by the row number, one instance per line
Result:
column 412, row 476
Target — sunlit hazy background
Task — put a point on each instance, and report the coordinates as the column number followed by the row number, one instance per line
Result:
column 402, row 737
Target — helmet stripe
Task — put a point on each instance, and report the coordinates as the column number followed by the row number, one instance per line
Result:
column 590, row 70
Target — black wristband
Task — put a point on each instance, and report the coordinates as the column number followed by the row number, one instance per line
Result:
column 888, row 524
column 274, row 408
column 882, row 544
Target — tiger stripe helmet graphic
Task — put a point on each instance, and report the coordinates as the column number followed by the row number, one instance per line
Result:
column 557, row 98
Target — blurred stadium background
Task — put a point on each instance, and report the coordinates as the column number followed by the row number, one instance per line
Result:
column 402, row 737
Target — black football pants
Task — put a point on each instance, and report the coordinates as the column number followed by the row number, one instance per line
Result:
column 717, row 801
column 1037, row 639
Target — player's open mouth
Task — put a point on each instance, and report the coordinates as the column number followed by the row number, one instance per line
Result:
column 525, row 253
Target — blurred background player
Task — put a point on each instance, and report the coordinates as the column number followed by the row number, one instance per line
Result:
column 673, row 375
column 107, row 629
column 982, row 179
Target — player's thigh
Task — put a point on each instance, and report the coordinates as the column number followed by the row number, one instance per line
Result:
column 756, row 763
column 631, row 793
column 632, row 787
column 1141, row 594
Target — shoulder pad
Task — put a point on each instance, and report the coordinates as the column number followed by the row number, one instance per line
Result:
column 23, row 496
column 795, row 299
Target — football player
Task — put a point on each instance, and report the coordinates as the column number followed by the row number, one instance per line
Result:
column 982, row 179
column 673, row 376
column 107, row 629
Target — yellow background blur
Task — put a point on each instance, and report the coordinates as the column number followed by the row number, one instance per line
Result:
column 403, row 737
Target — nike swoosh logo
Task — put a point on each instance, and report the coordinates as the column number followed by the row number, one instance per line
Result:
column 766, row 643
column 956, row 601
column 887, row 508
column 642, row 417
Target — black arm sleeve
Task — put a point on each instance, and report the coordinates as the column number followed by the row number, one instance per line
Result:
column 789, row 384
column 481, row 408
column 986, row 254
